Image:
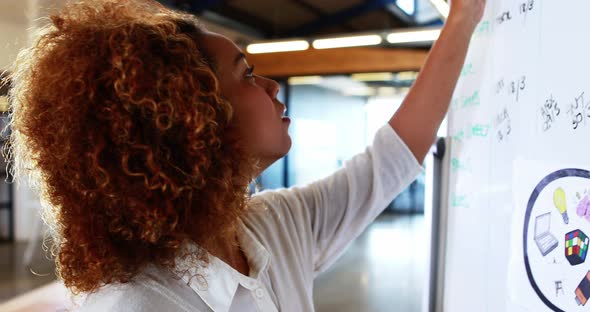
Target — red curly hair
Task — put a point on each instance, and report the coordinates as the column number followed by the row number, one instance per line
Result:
column 118, row 120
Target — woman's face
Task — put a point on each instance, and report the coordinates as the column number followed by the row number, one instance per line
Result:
column 258, row 115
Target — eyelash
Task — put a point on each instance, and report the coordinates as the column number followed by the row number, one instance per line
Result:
column 250, row 72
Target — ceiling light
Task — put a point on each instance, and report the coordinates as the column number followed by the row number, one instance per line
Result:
column 372, row 77
column 305, row 80
column 277, row 46
column 414, row 36
column 442, row 7
column 359, row 91
column 407, row 75
column 342, row 42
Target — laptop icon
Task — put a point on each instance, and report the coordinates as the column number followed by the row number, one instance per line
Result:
column 544, row 239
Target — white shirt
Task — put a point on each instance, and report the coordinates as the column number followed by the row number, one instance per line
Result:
column 289, row 237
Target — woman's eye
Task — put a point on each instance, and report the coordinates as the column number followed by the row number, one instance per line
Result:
column 250, row 72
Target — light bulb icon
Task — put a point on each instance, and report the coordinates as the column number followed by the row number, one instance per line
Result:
column 560, row 204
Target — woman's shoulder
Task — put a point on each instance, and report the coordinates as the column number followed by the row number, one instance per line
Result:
column 155, row 289
column 278, row 211
column 270, row 205
column 280, row 197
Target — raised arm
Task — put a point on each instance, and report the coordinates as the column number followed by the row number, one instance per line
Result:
column 321, row 219
column 418, row 119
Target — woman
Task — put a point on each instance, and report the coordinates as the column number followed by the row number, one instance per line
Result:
column 142, row 131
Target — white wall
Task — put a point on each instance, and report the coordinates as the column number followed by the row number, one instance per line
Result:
column 12, row 38
column 13, row 29
column 17, row 17
column 327, row 128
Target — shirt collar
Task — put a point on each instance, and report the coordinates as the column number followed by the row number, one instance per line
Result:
column 221, row 280
column 257, row 255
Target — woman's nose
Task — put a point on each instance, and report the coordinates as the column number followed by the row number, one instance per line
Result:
column 272, row 87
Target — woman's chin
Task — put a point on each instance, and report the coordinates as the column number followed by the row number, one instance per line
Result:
column 287, row 147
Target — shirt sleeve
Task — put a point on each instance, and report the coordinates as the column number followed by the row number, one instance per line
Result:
column 333, row 211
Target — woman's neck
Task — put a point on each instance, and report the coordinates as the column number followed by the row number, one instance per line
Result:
column 227, row 248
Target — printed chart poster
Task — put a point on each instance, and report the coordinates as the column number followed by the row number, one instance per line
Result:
column 552, row 268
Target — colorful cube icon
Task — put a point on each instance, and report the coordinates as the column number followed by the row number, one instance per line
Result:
column 576, row 247
column 583, row 290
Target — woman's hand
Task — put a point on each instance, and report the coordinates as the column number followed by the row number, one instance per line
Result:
column 425, row 106
column 468, row 12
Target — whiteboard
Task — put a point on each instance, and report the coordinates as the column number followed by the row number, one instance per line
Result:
column 519, row 160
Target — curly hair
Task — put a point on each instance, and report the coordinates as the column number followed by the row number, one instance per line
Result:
column 118, row 122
